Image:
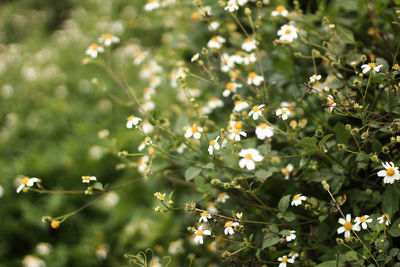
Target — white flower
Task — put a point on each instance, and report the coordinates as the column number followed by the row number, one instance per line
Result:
column 363, row 220
column 198, row 239
column 239, row 215
column 297, row 199
column 347, row 227
column 254, row 78
column 132, row 121
column 284, row 260
column 144, row 143
column 293, row 255
column 154, row 81
column 291, row 235
column 148, row 93
column 194, row 131
column 232, row 6
column 94, row 49
column 286, row 171
column 263, row 130
column 227, row 62
column 391, row 173
column 175, row 247
column 242, row 2
column 181, row 148
column 148, row 105
column 283, row 113
column 211, row 207
column 256, row 111
column 222, row 198
column 142, row 163
column 315, row 78
column 249, row 157
column 32, row 261
column 204, row 216
column 235, row 130
column 249, row 45
column 213, row 145
column 151, row 4
column 384, row 219
column 108, row 39
column 87, row 179
column 216, row 42
column 249, row 58
column 215, row 102
column 159, row 196
column 195, row 57
column 213, row 26
column 230, row 87
column 240, row 105
column 330, row 103
column 280, row 10
column 287, row 33
column 229, row 227
column 147, row 127
column 26, row 181
column 371, row 66
column 140, row 56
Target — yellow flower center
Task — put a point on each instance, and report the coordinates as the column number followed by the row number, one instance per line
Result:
column 237, row 131
column 238, row 125
column 213, row 99
column 372, row 65
column 255, row 108
column 288, row 31
column 194, row 129
column 130, row 118
column 199, row 232
column 248, row 41
column 252, row 75
column 230, row 86
column 212, row 143
column 234, row 75
column 331, row 101
column 228, row 224
column 296, row 197
column 285, row 171
column 214, row 39
column 263, row 125
column 25, row 180
column 204, row 214
column 221, row 195
column 54, row 224
column 283, row 111
column 86, row 178
column 291, row 108
column 284, row 259
column 238, row 102
column 151, row 152
column 195, row 16
column 390, row 172
column 108, row 36
column 363, row 219
column 280, row 9
column 348, row 226
column 248, row 156
column 94, row 47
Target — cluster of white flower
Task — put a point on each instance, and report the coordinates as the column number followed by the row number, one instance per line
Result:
column 349, row 226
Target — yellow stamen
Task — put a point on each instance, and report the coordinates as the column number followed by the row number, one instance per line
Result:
column 363, row 219
column 248, row 156
column 252, row 75
column 348, row 226
column 228, row 224
column 390, row 172
column 25, row 180
column 263, row 125
column 296, row 197
column 284, row 259
column 280, row 9
column 199, row 232
column 194, row 129
column 372, row 65
column 288, row 31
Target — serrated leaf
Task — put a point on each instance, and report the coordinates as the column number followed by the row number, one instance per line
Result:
column 283, row 204
column 390, row 200
column 270, row 239
column 192, row 172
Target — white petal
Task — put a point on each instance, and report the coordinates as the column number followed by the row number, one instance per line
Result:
column 342, row 221
column 340, row 230
column 20, row 188
column 348, row 217
column 382, row 173
column 206, row 232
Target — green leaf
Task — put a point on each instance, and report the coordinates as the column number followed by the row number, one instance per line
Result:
column 395, row 229
column 264, row 174
column 98, row 186
column 324, row 139
column 192, row 172
column 289, row 216
column 270, row 239
column 309, row 144
column 284, row 203
column 345, row 35
column 342, row 135
column 376, row 146
column 327, row 264
column 390, row 200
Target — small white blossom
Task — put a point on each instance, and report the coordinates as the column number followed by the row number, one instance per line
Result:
column 94, row 50
column 249, row 157
column 240, row 105
column 230, row 87
column 287, row 33
column 132, row 121
column 204, row 216
column 363, row 220
column 213, row 145
column 391, row 173
column 235, row 130
column 256, row 111
column 283, row 113
column 384, row 219
column 249, row 45
column 330, row 103
column 222, row 198
column 194, row 131
column 232, row 6
column 297, row 199
column 87, row 179
column 254, row 78
column 284, row 260
column 151, row 5
column 108, row 39
column 347, row 227
column 26, row 181
column 216, row 42
column 288, row 170
column 371, row 66
column 229, row 227
column 315, row 78
column 195, row 57
column 263, row 130
column 291, row 235
column 198, row 239
column 280, row 11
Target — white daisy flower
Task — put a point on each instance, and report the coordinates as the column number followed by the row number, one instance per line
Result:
column 249, row 58
column 291, row 235
column 211, row 207
column 108, row 39
column 288, row 170
column 213, row 26
column 140, row 56
column 147, row 127
column 235, row 130
column 371, row 66
column 240, row 105
column 154, row 81
column 256, row 111
column 144, row 143
column 216, row 42
column 254, row 78
column 87, row 179
column 384, row 219
column 94, row 50
column 330, row 103
column 284, row 260
column 287, row 33
column 280, row 11
column 263, row 130
column 198, row 239
column 204, row 216
column 148, row 105
column 227, row 62
column 232, row 6
column 231, row 87
column 239, row 215
column 229, row 227
column 283, row 113
column 195, row 57
column 249, row 157
column 391, row 173
column 215, row 102
column 347, row 227
column 159, row 196
column 297, row 199
column 315, row 78
column 249, row 45
column 363, row 220
column 213, row 145
column 132, row 121
column 194, row 131
column 151, row 5
column 26, row 181
column 222, row 198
